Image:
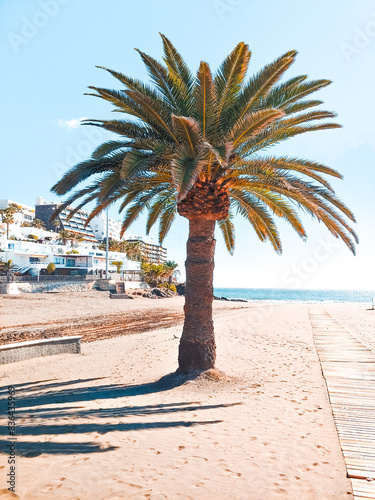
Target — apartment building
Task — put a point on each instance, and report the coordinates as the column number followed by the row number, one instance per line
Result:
column 76, row 224
column 26, row 214
column 154, row 253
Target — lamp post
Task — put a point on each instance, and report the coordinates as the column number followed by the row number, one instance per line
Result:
column 106, row 249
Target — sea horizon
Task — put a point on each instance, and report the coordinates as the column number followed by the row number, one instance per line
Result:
column 312, row 295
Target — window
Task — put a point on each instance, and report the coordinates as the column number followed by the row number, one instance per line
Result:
column 59, row 260
column 70, row 262
column 10, row 246
column 34, row 260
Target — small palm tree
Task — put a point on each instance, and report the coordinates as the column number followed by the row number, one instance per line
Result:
column 7, row 215
column 153, row 273
column 39, row 224
column 194, row 148
column 113, row 246
column 134, row 250
column 76, row 238
column 56, row 224
column 118, row 264
column 170, row 267
column 65, row 236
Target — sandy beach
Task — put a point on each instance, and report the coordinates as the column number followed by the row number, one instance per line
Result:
column 113, row 423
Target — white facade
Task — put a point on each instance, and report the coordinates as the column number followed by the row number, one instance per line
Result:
column 26, row 214
column 31, row 256
column 99, row 226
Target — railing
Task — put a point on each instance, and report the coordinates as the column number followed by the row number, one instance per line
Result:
column 57, row 277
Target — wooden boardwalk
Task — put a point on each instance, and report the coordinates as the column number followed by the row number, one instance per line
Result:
column 348, row 367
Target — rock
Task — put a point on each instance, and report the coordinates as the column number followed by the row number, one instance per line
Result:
column 229, row 300
column 181, row 288
column 158, row 292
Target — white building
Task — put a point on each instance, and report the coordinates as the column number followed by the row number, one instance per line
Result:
column 76, row 224
column 153, row 252
column 32, row 257
column 99, row 227
column 26, row 215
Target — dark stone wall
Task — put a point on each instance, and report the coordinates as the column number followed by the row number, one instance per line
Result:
column 44, row 213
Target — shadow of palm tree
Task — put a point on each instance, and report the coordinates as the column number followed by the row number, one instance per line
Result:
column 54, row 394
column 39, row 405
column 34, row 449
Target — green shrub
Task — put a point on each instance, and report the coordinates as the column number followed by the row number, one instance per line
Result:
column 51, row 268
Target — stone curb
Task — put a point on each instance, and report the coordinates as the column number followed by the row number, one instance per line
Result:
column 10, row 353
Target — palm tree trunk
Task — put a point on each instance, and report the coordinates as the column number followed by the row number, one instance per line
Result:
column 197, row 349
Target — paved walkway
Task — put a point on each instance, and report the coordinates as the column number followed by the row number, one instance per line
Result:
column 348, row 367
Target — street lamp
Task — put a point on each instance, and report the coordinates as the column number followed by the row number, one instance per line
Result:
column 106, row 248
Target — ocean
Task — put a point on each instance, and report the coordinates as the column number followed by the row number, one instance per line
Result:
column 293, row 295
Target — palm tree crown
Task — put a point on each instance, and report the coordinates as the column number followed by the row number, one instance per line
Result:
column 194, row 147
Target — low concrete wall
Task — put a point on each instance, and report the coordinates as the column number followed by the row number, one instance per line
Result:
column 40, row 287
column 11, row 353
column 65, row 286
column 9, row 288
column 130, row 285
column 110, row 285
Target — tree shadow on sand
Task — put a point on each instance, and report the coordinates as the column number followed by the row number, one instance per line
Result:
column 40, row 404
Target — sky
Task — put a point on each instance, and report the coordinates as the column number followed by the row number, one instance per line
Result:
column 49, row 50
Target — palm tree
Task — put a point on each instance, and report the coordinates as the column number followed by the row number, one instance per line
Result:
column 7, row 215
column 194, row 147
column 153, row 273
column 118, row 264
column 76, row 237
column 134, row 250
column 39, row 224
column 57, row 224
column 65, row 236
column 113, row 246
column 170, row 267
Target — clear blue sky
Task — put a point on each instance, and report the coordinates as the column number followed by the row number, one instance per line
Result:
column 49, row 50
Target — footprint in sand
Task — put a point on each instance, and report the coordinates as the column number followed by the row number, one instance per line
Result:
column 201, row 458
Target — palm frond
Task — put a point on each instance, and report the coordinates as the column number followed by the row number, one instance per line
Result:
column 228, row 231
column 205, row 99
column 229, row 78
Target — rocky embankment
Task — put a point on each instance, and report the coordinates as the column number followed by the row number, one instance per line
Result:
column 155, row 293
column 181, row 291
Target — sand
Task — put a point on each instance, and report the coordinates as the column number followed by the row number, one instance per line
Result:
column 109, row 424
